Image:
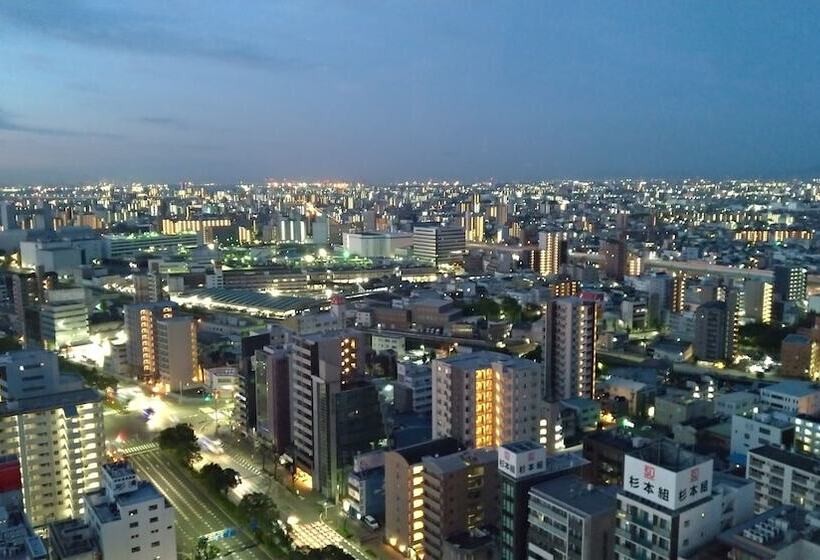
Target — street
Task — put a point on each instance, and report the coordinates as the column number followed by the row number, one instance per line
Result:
column 314, row 522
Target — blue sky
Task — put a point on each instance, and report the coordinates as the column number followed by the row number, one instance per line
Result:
column 382, row 91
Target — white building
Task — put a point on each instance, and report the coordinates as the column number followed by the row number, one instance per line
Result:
column 418, row 380
column 383, row 342
column 797, row 397
column 376, row 244
column 130, row 517
column 737, row 402
column 753, row 429
column 64, row 318
column 671, row 503
column 783, row 478
column 54, row 424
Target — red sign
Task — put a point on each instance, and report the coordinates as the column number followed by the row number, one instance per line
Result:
column 649, row 472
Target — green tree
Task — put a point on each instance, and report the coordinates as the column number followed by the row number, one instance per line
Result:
column 205, row 550
column 219, row 478
column 259, row 507
column 180, row 440
column 511, row 309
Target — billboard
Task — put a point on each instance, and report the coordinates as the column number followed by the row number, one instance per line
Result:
column 670, row 489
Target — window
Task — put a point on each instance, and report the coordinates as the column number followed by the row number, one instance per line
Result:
column 134, row 524
column 153, row 520
column 132, row 513
column 154, row 544
column 152, row 507
column 135, row 549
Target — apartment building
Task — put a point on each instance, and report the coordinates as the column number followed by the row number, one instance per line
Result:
column 54, row 424
column 783, row 478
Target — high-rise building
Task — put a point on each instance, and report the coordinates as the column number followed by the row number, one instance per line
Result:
column 716, row 330
column 130, row 517
column 271, row 370
column 758, row 299
column 570, row 357
column 141, row 330
column 404, row 493
column 570, row 518
column 486, row 399
column 321, row 366
column 64, row 318
column 551, row 254
column 8, row 215
column 614, row 255
column 672, row 503
column 460, row 494
column 176, row 352
column 790, row 283
column 54, row 424
column 438, row 244
column 521, row 465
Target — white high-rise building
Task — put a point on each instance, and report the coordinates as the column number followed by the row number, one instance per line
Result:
column 672, row 503
column 54, row 424
column 131, row 518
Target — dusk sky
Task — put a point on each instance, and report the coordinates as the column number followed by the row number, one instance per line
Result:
column 388, row 91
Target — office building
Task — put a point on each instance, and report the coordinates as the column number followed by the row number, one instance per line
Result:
column 521, row 465
column 797, row 397
column 570, row 356
column 413, row 390
column 140, row 321
column 460, row 494
column 321, row 368
column 570, row 518
column 365, row 487
column 438, row 244
column 132, row 520
column 800, row 357
column 790, row 283
column 761, row 427
column 271, row 372
column 64, row 318
column 485, row 399
column 672, row 503
column 177, row 354
column 783, row 478
column 54, row 424
column 72, row 539
column 377, row 244
column 404, row 493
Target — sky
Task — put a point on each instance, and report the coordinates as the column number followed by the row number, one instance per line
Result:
column 381, row 91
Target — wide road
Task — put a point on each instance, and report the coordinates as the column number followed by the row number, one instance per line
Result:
column 197, row 513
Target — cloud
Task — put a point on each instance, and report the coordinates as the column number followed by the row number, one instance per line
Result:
column 116, row 28
column 8, row 123
column 167, row 122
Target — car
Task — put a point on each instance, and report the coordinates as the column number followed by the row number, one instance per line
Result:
column 370, row 522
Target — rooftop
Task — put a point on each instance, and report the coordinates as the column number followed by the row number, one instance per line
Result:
column 793, row 388
column 413, row 454
column 668, row 455
column 460, row 460
column 576, row 494
column 801, row 462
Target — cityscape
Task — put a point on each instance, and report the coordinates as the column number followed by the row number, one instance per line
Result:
column 299, row 363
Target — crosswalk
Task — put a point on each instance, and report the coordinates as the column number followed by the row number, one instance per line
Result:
column 140, row 448
column 255, row 469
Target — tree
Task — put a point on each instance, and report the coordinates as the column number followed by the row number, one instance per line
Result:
column 180, row 440
column 260, row 508
column 511, row 309
column 205, row 550
column 219, row 478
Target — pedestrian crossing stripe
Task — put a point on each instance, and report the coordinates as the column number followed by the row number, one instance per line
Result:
column 140, row 448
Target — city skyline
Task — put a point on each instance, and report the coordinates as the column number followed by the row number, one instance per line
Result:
column 386, row 92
